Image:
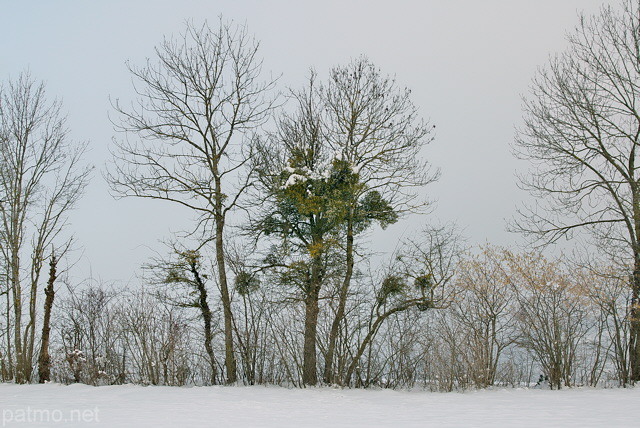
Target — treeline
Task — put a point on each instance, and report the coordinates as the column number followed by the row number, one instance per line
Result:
column 495, row 318
column 275, row 282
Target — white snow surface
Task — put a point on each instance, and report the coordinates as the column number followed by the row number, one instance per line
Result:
column 259, row 406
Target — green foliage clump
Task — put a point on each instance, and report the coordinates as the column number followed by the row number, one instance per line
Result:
column 373, row 207
column 423, row 282
column 391, row 285
column 297, row 275
column 246, row 283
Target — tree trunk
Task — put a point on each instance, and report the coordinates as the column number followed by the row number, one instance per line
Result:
column 30, row 329
column 17, row 313
column 44, row 363
column 329, row 375
column 7, row 369
column 309, row 369
column 634, row 324
column 309, row 364
column 206, row 317
column 229, row 357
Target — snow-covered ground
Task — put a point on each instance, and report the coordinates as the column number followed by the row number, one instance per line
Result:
column 137, row 406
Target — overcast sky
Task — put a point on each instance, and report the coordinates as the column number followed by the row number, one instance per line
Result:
column 467, row 63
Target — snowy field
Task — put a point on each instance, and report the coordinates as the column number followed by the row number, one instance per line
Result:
column 137, row 406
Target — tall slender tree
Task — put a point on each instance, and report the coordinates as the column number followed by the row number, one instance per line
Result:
column 41, row 179
column 374, row 127
column 304, row 189
column 196, row 104
column 582, row 132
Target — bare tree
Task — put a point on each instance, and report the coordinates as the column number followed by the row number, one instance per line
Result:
column 41, row 179
column 484, row 308
column 607, row 289
column 154, row 337
column 195, row 105
column 373, row 125
column 418, row 278
column 582, row 132
column 253, row 314
column 552, row 314
column 89, row 334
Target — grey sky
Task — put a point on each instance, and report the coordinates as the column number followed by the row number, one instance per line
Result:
column 466, row 62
